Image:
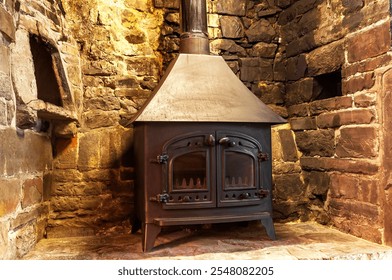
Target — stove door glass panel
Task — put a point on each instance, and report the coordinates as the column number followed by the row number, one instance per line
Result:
column 239, row 170
column 190, row 180
column 190, row 171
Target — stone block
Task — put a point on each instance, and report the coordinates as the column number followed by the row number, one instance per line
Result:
column 36, row 213
column 370, row 43
column 230, row 7
column 306, row 123
column 330, row 104
column 3, row 113
column 18, row 156
column 232, row 27
column 358, row 83
column 269, row 93
column 5, row 85
column 357, row 166
column 364, row 100
column 299, row 110
column 360, row 188
column 261, row 31
column 32, row 192
column 296, row 68
column 357, row 142
column 228, row 46
column 66, row 153
column 98, row 118
column 10, row 195
column 316, row 142
column 300, row 91
column 5, row 60
column 336, row 119
column 366, row 65
column 7, row 25
column 318, row 183
column 261, row 49
column 256, row 69
column 4, row 240
column 289, row 187
column 325, row 59
column 289, row 147
column 26, row 238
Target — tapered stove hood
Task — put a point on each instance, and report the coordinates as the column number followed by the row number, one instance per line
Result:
column 199, row 87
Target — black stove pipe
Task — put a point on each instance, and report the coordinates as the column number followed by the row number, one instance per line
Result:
column 194, row 30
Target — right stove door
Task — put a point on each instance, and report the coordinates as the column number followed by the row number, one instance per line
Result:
column 239, row 169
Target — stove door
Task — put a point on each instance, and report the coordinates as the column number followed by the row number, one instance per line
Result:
column 189, row 172
column 239, row 169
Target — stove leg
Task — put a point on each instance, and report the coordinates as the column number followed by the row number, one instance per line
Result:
column 269, row 227
column 149, row 234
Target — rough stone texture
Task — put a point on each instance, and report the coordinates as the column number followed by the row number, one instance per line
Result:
column 334, row 119
column 232, row 27
column 326, row 59
column 369, row 43
column 357, row 142
column 262, row 31
column 7, row 25
column 316, row 142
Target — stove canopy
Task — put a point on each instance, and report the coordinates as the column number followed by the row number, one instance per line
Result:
column 201, row 87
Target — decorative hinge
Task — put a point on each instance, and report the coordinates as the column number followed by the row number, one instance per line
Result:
column 162, row 158
column 263, row 156
column 262, row 193
column 162, row 198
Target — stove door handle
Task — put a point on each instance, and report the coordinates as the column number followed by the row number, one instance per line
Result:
column 227, row 141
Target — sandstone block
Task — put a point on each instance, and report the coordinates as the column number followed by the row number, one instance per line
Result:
column 227, row 45
column 325, row 59
column 289, row 187
column 5, row 85
column 300, row 91
column 32, row 192
column 98, row 118
column 336, row 119
column 343, row 165
column 262, row 49
column 17, row 155
column 299, row 110
column 366, row 65
column 358, row 83
column 256, row 69
column 330, row 104
column 357, row 142
column 66, row 153
column 306, row 123
column 5, row 60
column 7, row 25
column 317, row 183
column 3, row 113
column 262, row 31
column 230, row 7
column 289, row 147
column 296, row 68
column 316, row 142
column 270, row 93
column 370, row 43
column 10, row 195
column 232, row 27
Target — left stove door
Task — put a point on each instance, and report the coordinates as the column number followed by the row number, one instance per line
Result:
column 188, row 175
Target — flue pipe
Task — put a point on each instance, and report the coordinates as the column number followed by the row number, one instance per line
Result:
column 194, row 31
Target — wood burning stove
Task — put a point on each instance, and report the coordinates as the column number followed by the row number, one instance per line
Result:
column 202, row 143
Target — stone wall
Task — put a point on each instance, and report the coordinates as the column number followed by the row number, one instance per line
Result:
column 120, row 65
column 338, row 138
column 28, row 125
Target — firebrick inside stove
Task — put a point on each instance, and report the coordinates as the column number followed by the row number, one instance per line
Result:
column 202, row 142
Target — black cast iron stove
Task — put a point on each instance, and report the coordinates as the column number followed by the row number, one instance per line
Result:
column 202, row 142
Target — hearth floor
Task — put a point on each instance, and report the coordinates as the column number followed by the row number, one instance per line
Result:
column 296, row 241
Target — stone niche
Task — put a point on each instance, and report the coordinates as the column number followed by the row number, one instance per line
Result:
column 41, row 83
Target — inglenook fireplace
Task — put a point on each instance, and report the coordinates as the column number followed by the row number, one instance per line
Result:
column 202, row 142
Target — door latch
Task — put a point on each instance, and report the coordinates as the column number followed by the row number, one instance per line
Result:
column 161, row 198
column 263, row 156
column 162, row 158
column 262, row 193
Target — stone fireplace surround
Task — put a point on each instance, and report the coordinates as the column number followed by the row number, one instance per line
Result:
column 67, row 170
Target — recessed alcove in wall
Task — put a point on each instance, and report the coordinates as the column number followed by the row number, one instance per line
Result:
column 328, row 85
column 48, row 88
